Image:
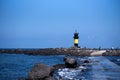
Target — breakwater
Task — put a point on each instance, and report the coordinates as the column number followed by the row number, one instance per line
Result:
column 48, row 51
column 61, row 51
column 17, row 66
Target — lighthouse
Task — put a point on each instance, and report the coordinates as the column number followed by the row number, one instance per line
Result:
column 76, row 37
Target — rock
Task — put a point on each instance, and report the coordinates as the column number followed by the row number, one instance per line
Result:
column 40, row 72
column 70, row 62
column 86, row 61
column 50, row 78
column 58, row 66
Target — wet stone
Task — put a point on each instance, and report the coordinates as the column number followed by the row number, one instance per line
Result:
column 70, row 62
column 40, row 71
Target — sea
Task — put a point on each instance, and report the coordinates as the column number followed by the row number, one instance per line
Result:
column 15, row 66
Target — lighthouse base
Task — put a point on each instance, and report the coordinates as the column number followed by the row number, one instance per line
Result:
column 76, row 45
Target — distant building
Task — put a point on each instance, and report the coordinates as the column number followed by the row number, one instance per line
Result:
column 76, row 37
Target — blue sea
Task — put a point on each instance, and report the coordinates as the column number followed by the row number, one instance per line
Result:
column 14, row 66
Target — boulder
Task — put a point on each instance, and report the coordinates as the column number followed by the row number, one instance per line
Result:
column 49, row 78
column 40, row 72
column 70, row 62
column 58, row 66
column 86, row 61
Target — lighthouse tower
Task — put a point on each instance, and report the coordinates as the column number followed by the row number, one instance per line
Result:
column 76, row 37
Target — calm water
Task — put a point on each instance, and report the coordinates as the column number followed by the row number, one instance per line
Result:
column 13, row 66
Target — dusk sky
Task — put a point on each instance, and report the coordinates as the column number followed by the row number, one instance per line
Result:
column 51, row 23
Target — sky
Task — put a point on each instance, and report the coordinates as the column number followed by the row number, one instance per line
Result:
column 51, row 23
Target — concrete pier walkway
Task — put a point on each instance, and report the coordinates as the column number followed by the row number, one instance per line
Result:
column 104, row 69
column 97, row 53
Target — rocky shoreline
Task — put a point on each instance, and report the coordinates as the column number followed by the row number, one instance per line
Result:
column 41, row 71
column 61, row 51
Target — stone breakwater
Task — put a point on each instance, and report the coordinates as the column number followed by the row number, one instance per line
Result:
column 48, row 51
column 66, row 71
column 61, row 51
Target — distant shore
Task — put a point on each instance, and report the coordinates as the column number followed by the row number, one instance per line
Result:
column 64, row 51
